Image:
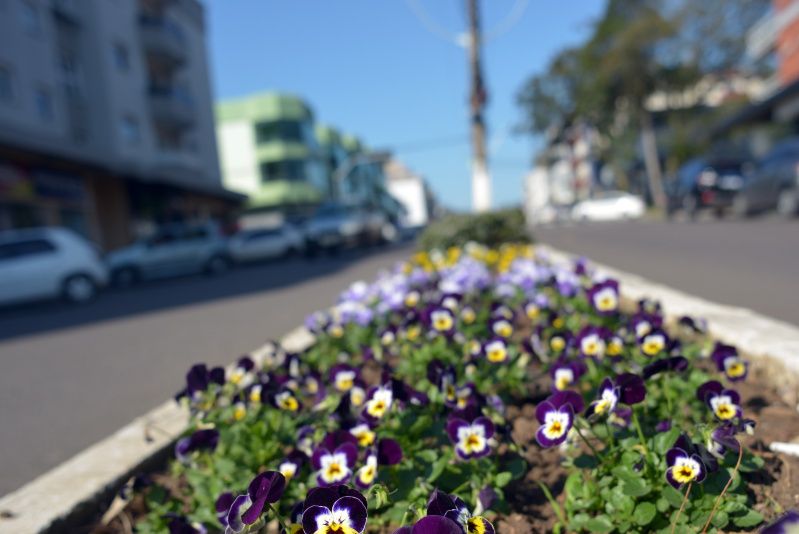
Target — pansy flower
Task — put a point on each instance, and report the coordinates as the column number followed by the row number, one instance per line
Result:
column 724, row 403
column 496, row 350
column 432, row 524
column 565, row 373
column 239, row 411
column 388, row 452
column 723, row 438
column 411, row 298
column 441, row 320
column 451, row 301
column 556, row 416
column 179, row 524
column 200, row 440
column 463, row 397
column 286, row 400
column 378, row 402
column 334, row 467
column 641, row 323
column 591, row 342
column 787, row 523
column 343, row 377
column 364, row 434
column 693, row 324
column 388, row 336
column 654, row 342
column 615, row 346
column 729, row 362
column 241, row 374
column 604, row 297
column 607, row 398
column 357, row 395
column 532, row 310
column 683, row 465
column 621, row 416
column 246, row 509
column 674, row 363
column 502, row 328
column 632, row 389
column 468, row 315
column 334, row 510
column 335, row 330
column 292, row 464
column 471, row 439
column 453, row 508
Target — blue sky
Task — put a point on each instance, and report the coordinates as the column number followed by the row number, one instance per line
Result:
column 374, row 69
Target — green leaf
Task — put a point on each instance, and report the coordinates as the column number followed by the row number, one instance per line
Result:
column 673, row 496
column 749, row 519
column 644, row 513
column 636, row 487
column 721, row 519
column 665, row 440
column 502, row 479
column 600, row 523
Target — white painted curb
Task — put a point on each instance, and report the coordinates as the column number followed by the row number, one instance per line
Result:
column 71, row 494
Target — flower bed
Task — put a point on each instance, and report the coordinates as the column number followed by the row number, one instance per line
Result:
column 476, row 390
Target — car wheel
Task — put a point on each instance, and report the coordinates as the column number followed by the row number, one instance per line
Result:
column 79, row 288
column 787, row 203
column 217, row 265
column 125, row 277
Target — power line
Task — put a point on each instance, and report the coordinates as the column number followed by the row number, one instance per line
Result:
column 459, row 39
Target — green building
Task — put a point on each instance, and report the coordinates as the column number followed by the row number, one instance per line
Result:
column 269, row 150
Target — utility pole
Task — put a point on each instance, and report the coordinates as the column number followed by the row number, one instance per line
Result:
column 481, row 181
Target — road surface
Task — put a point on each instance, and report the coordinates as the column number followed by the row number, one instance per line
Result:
column 73, row 375
column 753, row 264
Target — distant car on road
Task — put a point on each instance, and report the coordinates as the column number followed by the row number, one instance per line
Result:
column 175, row 249
column 707, row 182
column 263, row 243
column 609, row 206
column 333, row 226
column 774, row 184
column 46, row 263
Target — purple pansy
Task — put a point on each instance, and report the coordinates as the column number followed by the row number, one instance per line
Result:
column 604, row 297
column 787, row 523
column 336, row 509
column 432, row 524
column 496, row 350
column 334, row 466
column 724, row 403
column 592, row 341
column 556, row 415
column 471, row 439
column 378, row 403
column 674, row 363
column 205, row 440
column 565, row 373
column 453, row 508
column 343, row 377
column 729, row 362
column 654, row 342
column 246, row 509
column 607, row 398
column 684, row 466
column 631, row 388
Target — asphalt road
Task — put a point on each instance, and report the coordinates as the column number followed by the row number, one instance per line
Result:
column 73, row 375
column 753, row 264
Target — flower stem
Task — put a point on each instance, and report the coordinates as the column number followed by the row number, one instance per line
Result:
column 726, row 487
column 640, row 432
column 579, row 433
column 682, row 506
column 279, row 519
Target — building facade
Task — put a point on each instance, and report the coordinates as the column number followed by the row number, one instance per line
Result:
column 106, row 117
column 269, row 150
column 412, row 191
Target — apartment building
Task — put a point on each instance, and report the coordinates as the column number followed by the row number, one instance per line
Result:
column 106, row 117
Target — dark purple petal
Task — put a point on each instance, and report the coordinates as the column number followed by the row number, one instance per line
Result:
column 631, row 388
column 487, row 425
column 674, row 453
column 351, row 452
column 543, row 409
column 711, row 387
column 222, row 506
column 786, row 523
column 439, row 503
column 404, row 530
column 324, row 497
column 265, row 488
column 572, row 398
column 316, row 458
column 676, row 363
column 309, row 516
column 389, row 452
column 453, row 425
column 356, row 510
column 436, row 524
column 670, row 479
column 487, row 497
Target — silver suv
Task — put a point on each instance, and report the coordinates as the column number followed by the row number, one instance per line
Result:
column 174, row 250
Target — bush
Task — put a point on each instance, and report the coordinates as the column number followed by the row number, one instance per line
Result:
column 491, row 229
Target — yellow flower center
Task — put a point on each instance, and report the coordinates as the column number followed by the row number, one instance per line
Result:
column 289, row 403
column 557, row 344
column 683, row 473
column 725, row 411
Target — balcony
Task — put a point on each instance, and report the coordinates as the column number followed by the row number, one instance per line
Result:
column 172, row 106
column 163, row 40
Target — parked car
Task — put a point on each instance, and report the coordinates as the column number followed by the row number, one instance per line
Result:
column 774, row 184
column 264, row 243
column 174, row 250
column 333, row 226
column 608, row 206
column 46, row 263
column 707, row 182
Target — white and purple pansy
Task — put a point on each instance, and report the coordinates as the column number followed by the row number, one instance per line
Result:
column 364, row 433
column 496, row 350
column 334, row 467
column 604, row 297
column 286, row 400
column 291, row 465
column 606, row 401
column 787, row 523
column 378, row 403
column 502, row 327
column 729, row 362
column 471, row 439
column 556, row 416
column 343, row 377
column 592, row 342
column 724, row 403
column 565, row 373
column 334, row 510
column 454, row 509
column 683, row 465
column 200, row 440
column 432, row 524
column 654, row 342
column 441, row 320
column 246, row 509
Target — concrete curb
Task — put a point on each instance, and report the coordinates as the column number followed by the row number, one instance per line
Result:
column 773, row 345
column 69, row 497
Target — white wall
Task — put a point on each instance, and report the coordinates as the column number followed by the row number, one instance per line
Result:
column 237, row 154
column 410, row 193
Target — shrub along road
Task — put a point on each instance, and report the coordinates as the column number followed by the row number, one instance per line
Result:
column 73, row 375
column 753, row 264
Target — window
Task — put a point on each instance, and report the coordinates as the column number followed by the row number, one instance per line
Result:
column 21, row 249
column 6, row 87
column 292, row 170
column 30, row 18
column 278, row 131
column 44, row 104
column 121, row 57
column 129, row 129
